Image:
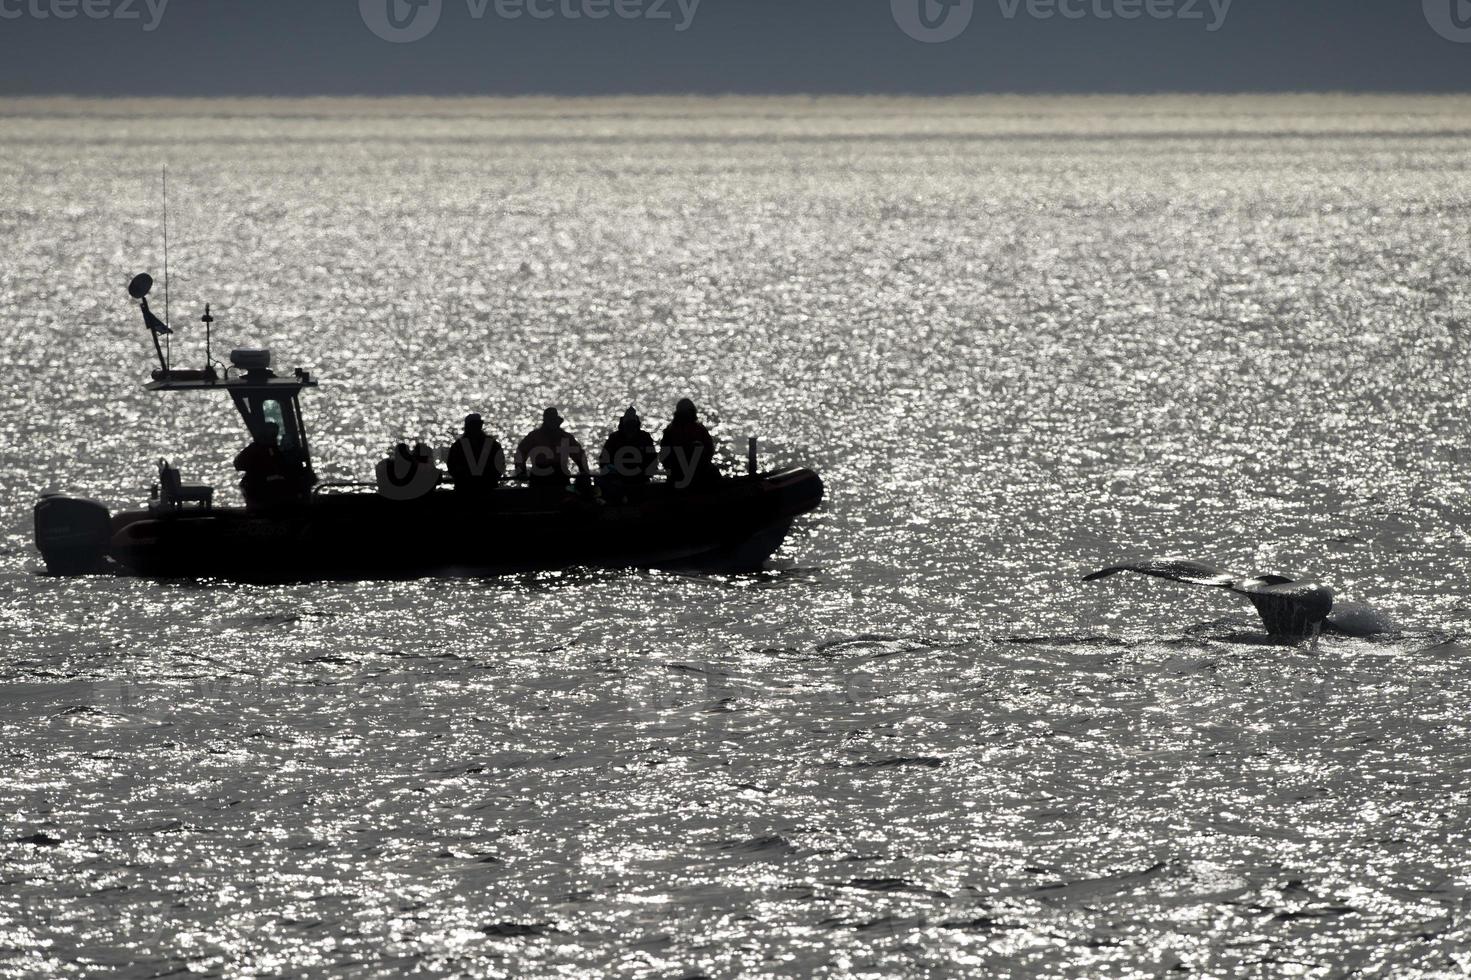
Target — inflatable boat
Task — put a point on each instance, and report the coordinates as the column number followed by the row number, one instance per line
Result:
column 357, row 531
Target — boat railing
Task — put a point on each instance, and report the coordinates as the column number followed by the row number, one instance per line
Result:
column 444, row 481
column 343, row 485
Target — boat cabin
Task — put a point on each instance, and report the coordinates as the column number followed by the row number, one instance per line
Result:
column 259, row 394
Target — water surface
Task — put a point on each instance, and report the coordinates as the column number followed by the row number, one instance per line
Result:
column 1020, row 338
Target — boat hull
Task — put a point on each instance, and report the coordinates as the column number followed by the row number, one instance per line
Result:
column 734, row 527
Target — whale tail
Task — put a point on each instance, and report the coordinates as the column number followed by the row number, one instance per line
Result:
column 1287, row 608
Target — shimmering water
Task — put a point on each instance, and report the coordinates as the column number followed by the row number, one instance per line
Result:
column 1019, row 338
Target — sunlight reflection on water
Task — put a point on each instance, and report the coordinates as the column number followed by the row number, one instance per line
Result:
column 1017, row 346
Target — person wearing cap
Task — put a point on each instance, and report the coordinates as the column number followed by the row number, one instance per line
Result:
column 628, row 459
column 476, row 461
column 687, row 449
column 545, row 458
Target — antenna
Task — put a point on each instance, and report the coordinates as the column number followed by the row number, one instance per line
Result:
column 208, row 320
column 139, row 289
column 166, row 317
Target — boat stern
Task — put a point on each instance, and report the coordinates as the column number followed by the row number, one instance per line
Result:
column 73, row 535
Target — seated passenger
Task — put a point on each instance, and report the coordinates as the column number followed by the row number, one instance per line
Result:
column 408, row 474
column 399, row 468
column 426, row 468
column 545, row 458
column 476, row 461
column 266, row 478
column 687, row 450
column 629, row 458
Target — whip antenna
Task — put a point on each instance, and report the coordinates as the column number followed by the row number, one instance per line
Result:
column 167, row 340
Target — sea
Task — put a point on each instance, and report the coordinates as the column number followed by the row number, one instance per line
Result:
column 1021, row 338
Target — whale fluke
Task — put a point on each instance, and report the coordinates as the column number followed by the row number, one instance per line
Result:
column 1176, row 570
column 1288, row 608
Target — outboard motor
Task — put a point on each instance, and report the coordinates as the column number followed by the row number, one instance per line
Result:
column 73, row 535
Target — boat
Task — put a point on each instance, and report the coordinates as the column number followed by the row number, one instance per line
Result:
column 357, row 531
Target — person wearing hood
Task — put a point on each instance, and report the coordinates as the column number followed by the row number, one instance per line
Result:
column 629, row 458
column 545, row 458
column 687, row 449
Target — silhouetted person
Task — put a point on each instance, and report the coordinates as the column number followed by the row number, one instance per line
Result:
column 476, row 461
column 629, row 457
column 266, row 476
column 408, row 474
column 425, row 466
column 687, row 450
column 546, row 456
column 401, row 464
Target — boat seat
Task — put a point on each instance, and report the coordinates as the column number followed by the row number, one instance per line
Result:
column 174, row 492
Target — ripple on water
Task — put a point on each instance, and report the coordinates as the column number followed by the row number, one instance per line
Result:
column 916, row 743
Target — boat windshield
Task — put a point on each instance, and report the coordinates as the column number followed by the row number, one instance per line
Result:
column 273, row 411
column 261, row 407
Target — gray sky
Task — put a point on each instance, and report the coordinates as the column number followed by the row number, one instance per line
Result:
column 300, row 47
